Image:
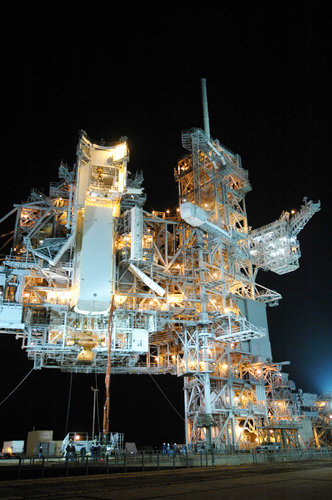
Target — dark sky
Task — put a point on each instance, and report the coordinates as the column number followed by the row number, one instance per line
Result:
column 135, row 70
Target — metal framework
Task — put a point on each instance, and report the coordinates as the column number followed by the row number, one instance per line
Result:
column 184, row 286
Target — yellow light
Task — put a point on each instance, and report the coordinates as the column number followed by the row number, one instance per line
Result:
column 120, row 299
column 122, row 181
column 60, row 297
column 119, row 152
column 238, row 431
column 175, row 298
column 77, row 437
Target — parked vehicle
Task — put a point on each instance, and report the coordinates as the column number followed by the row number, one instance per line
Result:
column 268, row 447
column 13, row 448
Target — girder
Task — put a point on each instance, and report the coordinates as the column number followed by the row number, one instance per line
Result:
column 184, row 285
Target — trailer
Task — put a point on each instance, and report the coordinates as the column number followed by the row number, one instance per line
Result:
column 112, row 445
column 13, row 448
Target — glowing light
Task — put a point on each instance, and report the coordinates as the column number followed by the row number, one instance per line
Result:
column 58, row 296
column 119, row 152
column 238, row 431
column 175, row 298
column 120, row 299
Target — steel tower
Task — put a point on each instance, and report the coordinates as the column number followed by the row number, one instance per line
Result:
column 183, row 286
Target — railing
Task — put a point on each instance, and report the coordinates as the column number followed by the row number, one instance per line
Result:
column 33, row 467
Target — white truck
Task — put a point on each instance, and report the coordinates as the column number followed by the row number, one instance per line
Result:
column 13, row 448
column 81, row 439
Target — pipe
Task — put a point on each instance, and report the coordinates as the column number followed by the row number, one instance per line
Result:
column 205, row 109
column 106, row 419
column 148, row 281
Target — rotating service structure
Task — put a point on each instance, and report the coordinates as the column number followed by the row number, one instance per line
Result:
column 183, row 283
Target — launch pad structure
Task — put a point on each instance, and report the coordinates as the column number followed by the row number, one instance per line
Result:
column 183, row 284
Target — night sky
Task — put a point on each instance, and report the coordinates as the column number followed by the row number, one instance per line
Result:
column 135, row 71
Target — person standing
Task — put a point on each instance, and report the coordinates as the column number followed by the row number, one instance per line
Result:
column 98, row 452
column 68, row 449
column 83, row 453
column 72, row 452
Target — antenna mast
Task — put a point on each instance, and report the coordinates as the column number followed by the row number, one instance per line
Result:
column 205, row 109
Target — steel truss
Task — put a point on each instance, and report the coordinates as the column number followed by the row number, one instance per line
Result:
column 182, row 283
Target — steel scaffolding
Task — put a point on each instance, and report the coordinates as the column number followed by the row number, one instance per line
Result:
column 184, row 286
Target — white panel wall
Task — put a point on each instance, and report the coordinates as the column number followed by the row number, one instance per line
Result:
column 82, row 184
column 255, row 312
column 140, row 340
column 136, row 250
column 96, row 261
column 11, row 316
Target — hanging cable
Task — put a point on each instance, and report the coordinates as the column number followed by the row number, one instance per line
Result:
column 68, row 404
column 97, row 403
column 16, row 387
column 179, row 414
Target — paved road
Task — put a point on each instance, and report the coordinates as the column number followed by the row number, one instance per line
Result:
column 300, row 480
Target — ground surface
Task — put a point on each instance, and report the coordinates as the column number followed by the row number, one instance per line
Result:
column 300, row 480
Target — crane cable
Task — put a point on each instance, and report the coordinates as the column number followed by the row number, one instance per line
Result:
column 179, row 414
column 18, row 385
